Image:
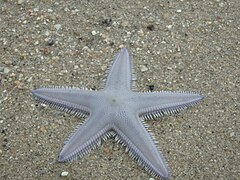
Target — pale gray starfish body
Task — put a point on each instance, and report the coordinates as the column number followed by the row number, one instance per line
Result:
column 117, row 111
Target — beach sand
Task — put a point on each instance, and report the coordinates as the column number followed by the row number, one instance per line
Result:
column 176, row 46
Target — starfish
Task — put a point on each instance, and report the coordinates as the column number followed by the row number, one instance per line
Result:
column 117, row 111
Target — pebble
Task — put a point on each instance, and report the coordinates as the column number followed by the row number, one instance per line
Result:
column 47, row 33
column 6, row 70
column 125, row 23
column 57, row 26
column 36, row 9
column 94, row 33
column 50, row 42
column 169, row 26
column 143, row 68
column 179, row 10
column 29, row 79
column 76, row 67
column 232, row 134
column 221, row 4
column 140, row 32
column 20, row 1
column 86, row 48
column 50, row 10
column 64, row 173
column 66, row 9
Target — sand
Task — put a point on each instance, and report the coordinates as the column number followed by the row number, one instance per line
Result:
column 176, row 45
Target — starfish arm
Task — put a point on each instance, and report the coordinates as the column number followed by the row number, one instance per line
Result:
column 73, row 100
column 131, row 132
column 120, row 76
column 85, row 138
column 155, row 104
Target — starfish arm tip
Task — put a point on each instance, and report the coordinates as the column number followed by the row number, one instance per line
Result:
column 60, row 159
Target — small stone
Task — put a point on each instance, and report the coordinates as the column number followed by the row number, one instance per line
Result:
column 169, row 26
column 76, row 67
column 50, row 42
column 47, row 33
column 94, row 33
column 125, row 23
column 140, row 32
column 20, row 75
column 36, row 9
column 107, row 22
column 57, row 26
column 232, row 134
column 129, row 33
column 221, row 4
column 29, row 79
column 150, row 27
column 64, row 173
column 179, row 10
column 86, row 48
column 1, row 69
column 50, row 10
column 36, row 43
column 6, row 70
column 47, row 80
column 121, row 46
column 143, row 68
column 17, row 83
column 66, row 9
column 20, row 1
column 151, row 179
column 151, row 87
